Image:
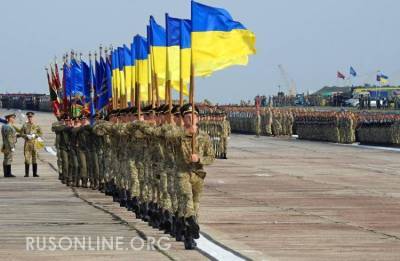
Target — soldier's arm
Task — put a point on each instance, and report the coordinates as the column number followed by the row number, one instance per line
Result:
column 21, row 132
column 10, row 139
column 39, row 132
column 206, row 152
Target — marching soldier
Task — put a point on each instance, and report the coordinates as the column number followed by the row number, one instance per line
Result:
column 191, row 173
column 30, row 131
column 9, row 135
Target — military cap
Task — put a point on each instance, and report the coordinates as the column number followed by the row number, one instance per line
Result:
column 83, row 117
column 188, row 108
column 30, row 113
column 148, row 109
column 176, row 109
column 132, row 110
column 66, row 117
column 12, row 115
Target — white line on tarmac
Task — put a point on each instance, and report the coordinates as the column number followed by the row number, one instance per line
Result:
column 216, row 251
column 50, row 150
column 375, row 147
column 204, row 244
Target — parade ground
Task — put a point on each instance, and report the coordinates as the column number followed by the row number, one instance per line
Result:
column 273, row 199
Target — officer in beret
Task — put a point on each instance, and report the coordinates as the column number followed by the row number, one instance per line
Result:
column 30, row 131
column 9, row 135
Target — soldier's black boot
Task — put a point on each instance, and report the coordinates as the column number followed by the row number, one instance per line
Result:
column 108, row 189
column 34, row 166
column 192, row 226
column 135, row 206
column 122, row 198
column 9, row 174
column 150, row 213
column 167, row 222
column 26, row 170
column 179, row 228
column 128, row 200
column 144, row 212
column 189, row 240
column 173, row 226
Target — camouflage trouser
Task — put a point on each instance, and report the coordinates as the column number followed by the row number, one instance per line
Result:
column 30, row 153
column 171, row 172
column 142, row 182
column 82, row 161
column 124, row 172
column 93, row 167
column 59, row 163
column 64, row 162
column 73, row 166
column 107, row 165
column 101, row 160
column 258, row 126
column 115, row 169
column 8, row 157
column 191, row 188
column 154, row 182
column 134, row 185
column 225, row 144
column 165, row 199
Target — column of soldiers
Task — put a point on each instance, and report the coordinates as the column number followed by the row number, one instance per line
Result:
column 145, row 163
column 269, row 122
column 338, row 127
column 216, row 125
column 379, row 129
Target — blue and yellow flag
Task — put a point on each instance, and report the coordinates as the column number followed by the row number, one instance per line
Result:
column 173, row 50
column 217, row 40
column 133, row 72
column 142, row 73
column 116, row 76
column 185, row 46
column 158, row 45
column 128, row 68
column 121, row 60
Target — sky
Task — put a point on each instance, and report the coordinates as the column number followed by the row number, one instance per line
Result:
column 311, row 39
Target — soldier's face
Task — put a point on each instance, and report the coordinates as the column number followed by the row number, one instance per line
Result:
column 187, row 119
column 30, row 119
column 11, row 120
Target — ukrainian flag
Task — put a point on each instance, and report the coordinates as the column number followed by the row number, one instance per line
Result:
column 121, row 60
column 158, row 50
column 217, row 40
column 173, row 26
column 185, row 52
column 133, row 73
column 113, row 77
column 128, row 67
column 142, row 70
column 115, row 73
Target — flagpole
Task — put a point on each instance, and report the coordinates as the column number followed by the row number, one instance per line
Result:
column 168, row 81
column 192, row 86
column 180, row 66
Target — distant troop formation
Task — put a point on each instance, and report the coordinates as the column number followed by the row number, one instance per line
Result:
column 333, row 126
column 150, row 162
column 338, row 127
column 379, row 129
column 215, row 124
column 267, row 122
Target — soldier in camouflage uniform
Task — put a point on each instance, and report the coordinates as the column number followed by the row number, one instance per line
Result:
column 9, row 136
column 191, row 174
column 30, row 132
